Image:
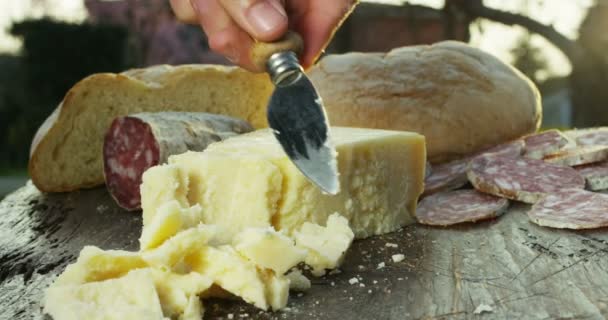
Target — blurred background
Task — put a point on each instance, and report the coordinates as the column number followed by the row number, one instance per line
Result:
column 48, row 45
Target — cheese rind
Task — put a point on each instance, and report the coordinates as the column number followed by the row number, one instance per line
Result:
column 248, row 181
column 268, row 249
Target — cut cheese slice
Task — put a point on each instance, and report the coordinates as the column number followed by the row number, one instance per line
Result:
column 326, row 245
column 95, row 264
column 241, row 277
column 133, row 296
column 161, row 184
column 248, row 181
column 268, row 249
column 170, row 218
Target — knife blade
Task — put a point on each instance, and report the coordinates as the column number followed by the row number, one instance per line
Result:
column 296, row 113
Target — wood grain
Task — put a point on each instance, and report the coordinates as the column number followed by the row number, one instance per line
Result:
column 520, row 270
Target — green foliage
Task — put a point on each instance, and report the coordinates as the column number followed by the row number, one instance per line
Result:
column 55, row 55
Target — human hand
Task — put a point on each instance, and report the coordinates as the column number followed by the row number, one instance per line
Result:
column 232, row 25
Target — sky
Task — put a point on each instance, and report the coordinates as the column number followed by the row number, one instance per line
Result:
column 497, row 39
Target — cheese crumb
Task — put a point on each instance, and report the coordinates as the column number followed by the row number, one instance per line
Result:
column 381, row 265
column 362, row 285
column 230, row 316
column 483, row 308
column 375, row 281
column 398, row 257
column 392, row 245
column 353, row 280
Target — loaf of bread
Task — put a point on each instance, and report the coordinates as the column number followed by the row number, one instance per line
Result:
column 66, row 153
column 460, row 98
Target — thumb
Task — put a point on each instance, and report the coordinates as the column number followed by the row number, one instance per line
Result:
column 264, row 20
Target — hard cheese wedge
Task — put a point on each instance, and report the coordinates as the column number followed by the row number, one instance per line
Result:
column 248, row 181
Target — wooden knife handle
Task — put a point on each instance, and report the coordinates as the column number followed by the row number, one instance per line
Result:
column 261, row 51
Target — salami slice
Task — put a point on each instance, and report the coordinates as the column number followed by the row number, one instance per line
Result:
column 571, row 209
column 453, row 175
column 446, row 176
column 458, row 206
column 591, row 137
column 540, row 144
column 511, row 149
column 137, row 142
column 525, row 180
column 596, row 175
column 578, row 155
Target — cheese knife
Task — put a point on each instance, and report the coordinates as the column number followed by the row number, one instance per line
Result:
column 296, row 114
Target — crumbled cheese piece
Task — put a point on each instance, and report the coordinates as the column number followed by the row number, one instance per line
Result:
column 353, row 280
column 483, row 308
column 398, row 257
column 381, row 265
column 392, row 245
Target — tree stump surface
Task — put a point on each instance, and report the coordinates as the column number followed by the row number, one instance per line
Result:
column 507, row 266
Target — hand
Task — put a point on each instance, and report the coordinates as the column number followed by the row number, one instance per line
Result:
column 232, row 25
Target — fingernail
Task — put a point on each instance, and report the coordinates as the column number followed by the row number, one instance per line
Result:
column 264, row 16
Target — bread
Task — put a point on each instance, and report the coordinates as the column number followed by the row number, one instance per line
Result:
column 66, row 153
column 460, row 98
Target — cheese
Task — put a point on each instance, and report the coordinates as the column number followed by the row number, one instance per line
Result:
column 248, row 181
column 161, row 184
column 177, row 291
column 268, row 249
column 133, row 296
column 95, row 264
column 326, row 245
column 297, row 281
column 194, row 309
column 169, row 219
column 241, row 277
column 173, row 251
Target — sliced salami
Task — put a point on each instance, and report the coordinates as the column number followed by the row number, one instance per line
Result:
column 540, row 144
column 571, row 209
column 453, row 175
column 578, row 155
column 596, row 175
column 458, row 206
column 591, row 137
column 137, row 142
column 446, row 176
column 511, row 149
column 525, row 180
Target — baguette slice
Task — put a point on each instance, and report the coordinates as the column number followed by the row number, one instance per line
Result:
column 66, row 153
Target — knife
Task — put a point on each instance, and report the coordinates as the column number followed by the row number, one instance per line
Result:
column 296, row 114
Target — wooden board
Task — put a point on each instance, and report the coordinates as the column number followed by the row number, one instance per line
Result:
column 517, row 269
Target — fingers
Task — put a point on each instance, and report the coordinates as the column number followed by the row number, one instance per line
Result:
column 183, row 11
column 264, row 20
column 225, row 36
column 316, row 21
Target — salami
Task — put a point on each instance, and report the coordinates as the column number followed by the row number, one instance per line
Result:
column 571, row 209
column 525, row 180
column 453, row 175
column 511, row 149
column 578, row 155
column 137, row 142
column 540, row 144
column 591, row 137
column 446, row 176
column 452, row 207
column 596, row 175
